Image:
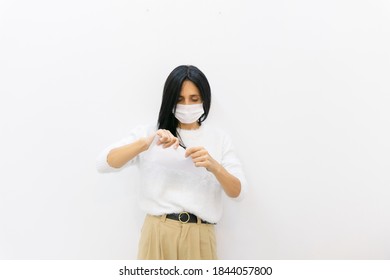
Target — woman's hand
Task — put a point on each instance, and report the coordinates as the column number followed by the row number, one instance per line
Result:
column 167, row 139
column 230, row 184
column 201, row 157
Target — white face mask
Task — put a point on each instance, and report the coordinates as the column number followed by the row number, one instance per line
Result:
column 188, row 113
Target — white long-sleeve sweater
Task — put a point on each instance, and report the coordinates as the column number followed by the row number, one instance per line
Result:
column 170, row 183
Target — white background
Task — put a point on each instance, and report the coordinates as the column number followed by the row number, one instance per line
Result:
column 301, row 86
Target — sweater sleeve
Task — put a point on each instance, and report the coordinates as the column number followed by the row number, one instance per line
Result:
column 232, row 164
column 102, row 165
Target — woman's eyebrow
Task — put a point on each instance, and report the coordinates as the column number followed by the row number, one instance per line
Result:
column 191, row 95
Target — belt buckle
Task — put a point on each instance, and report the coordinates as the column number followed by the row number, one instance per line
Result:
column 188, row 217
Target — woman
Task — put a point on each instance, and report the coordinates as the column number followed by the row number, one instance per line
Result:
column 185, row 166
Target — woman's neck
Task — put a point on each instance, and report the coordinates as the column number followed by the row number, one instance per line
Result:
column 189, row 126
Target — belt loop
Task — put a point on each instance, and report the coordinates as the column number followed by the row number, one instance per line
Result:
column 198, row 220
column 163, row 218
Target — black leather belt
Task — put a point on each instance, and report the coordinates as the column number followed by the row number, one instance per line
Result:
column 185, row 217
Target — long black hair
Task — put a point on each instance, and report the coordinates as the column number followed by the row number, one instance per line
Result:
column 171, row 94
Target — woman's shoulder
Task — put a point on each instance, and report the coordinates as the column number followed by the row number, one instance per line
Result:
column 150, row 126
column 217, row 131
column 216, row 128
column 144, row 128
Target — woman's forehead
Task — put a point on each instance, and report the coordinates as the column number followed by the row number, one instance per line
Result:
column 189, row 88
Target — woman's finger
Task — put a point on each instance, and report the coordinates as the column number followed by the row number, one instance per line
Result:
column 163, row 136
column 171, row 142
column 200, row 159
column 198, row 153
column 167, row 139
column 192, row 150
column 160, row 134
column 202, row 164
column 167, row 144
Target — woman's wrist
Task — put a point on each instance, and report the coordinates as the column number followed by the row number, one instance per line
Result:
column 215, row 168
column 144, row 144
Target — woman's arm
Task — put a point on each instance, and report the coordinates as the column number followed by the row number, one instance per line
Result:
column 231, row 185
column 119, row 156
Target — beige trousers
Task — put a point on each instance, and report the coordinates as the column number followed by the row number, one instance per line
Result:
column 166, row 239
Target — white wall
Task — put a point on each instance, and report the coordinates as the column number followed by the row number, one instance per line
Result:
column 302, row 86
